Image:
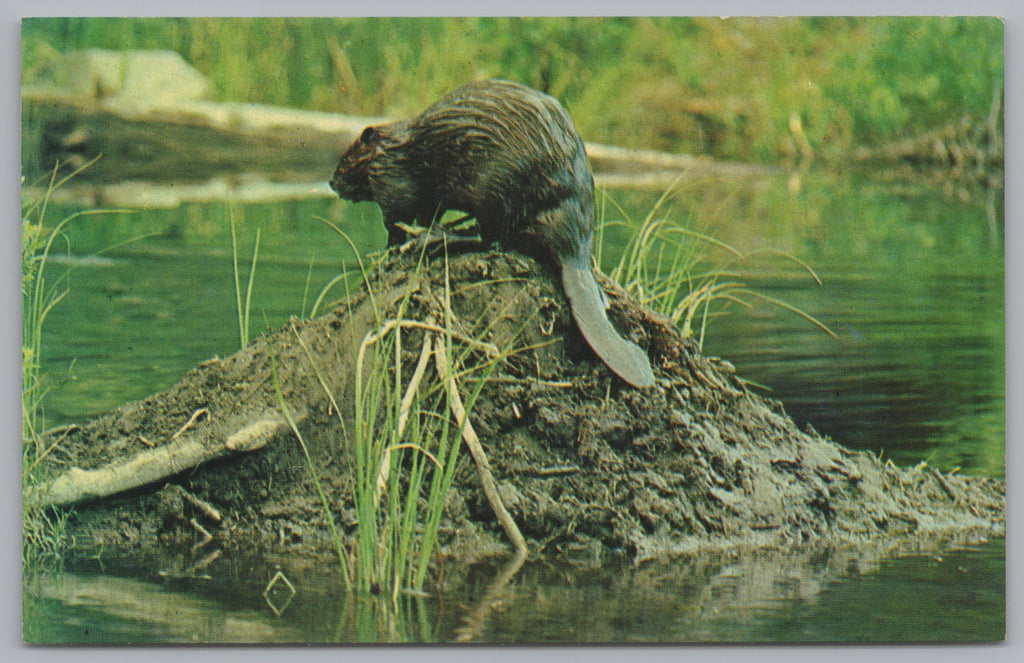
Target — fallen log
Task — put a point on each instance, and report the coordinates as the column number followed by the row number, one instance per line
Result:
column 194, row 141
column 148, row 466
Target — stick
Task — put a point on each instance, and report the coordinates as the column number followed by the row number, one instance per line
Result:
column 403, row 414
column 476, row 450
column 147, row 466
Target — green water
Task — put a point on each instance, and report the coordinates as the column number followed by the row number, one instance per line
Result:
column 912, row 284
column 827, row 596
column 139, row 317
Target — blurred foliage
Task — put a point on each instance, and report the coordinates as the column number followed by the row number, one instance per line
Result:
column 728, row 87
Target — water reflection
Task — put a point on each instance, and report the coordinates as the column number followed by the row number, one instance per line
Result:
column 882, row 592
column 921, row 379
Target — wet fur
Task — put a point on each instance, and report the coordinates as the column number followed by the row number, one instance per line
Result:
column 498, row 151
column 510, row 157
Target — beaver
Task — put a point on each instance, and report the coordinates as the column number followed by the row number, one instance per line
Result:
column 510, row 157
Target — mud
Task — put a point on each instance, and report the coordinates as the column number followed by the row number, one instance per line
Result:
column 584, row 463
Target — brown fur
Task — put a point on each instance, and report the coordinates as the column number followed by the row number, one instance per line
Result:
column 510, row 157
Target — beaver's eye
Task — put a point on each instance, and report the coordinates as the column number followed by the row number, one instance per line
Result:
column 368, row 135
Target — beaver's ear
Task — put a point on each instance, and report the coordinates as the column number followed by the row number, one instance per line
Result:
column 369, row 135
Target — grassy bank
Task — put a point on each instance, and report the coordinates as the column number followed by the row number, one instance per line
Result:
column 42, row 530
column 729, row 87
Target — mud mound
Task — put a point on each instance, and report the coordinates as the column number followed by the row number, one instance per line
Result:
column 696, row 462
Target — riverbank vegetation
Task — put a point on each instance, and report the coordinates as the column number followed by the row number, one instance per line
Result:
column 42, row 531
column 752, row 89
column 745, row 89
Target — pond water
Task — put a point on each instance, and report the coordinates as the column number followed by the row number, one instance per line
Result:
column 819, row 596
column 911, row 284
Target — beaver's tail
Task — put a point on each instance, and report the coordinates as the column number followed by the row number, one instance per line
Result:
column 626, row 359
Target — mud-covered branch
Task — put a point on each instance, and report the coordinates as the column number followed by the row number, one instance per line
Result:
column 148, row 466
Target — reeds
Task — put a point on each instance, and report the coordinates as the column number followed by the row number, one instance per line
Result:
column 42, row 531
column 39, row 297
column 403, row 442
column 241, row 307
column 406, row 446
column 666, row 267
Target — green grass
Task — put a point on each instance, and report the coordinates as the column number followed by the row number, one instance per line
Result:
column 728, row 87
column 404, row 442
column 406, row 446
column 241, row 307
column 666, row 267
column 39, row 297
column 42, row 530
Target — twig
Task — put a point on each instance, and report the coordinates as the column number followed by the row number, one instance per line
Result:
column 192, row 420
column 476, row 450
column 556, row 471
column 945, row 486
column 212, row 513
column 414, row 383
column 508, row 379
column 204, row 562
column 489, row 349
column 66, row 430
column 403, row 413
column 207, row 537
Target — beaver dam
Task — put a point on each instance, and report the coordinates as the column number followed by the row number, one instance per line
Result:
column 580, row 461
